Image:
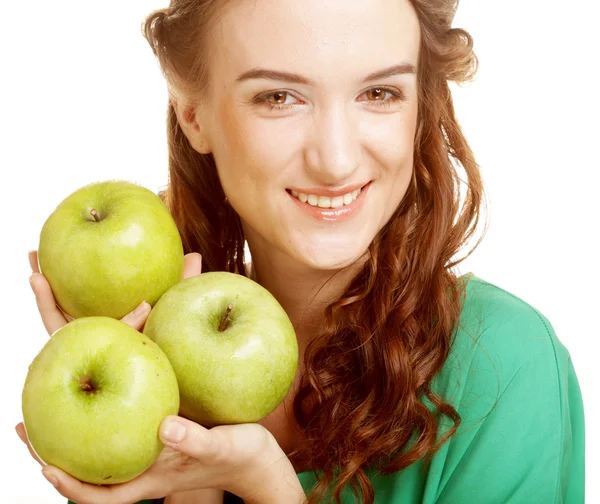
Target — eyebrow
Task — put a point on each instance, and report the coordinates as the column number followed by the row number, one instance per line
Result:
column 293, row 78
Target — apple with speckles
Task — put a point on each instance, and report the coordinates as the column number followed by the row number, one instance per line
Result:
column 109, row 246
column 231, row 344
column 94, row 398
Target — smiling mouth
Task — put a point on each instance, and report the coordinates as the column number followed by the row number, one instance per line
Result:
column 327, row 202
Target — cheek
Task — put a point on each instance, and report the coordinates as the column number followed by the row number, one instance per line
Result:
column 391, row 144
column 230, row 144
column 250, row 150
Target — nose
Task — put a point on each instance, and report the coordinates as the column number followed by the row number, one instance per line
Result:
column 333, row 149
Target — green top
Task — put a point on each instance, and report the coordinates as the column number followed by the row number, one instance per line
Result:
column 527, row 449
column 530, row 447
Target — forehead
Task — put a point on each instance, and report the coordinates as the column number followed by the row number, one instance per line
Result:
column 320, row 39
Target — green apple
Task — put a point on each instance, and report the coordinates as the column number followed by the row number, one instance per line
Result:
column 109, row 246
column 232, row 346
column 94, row 399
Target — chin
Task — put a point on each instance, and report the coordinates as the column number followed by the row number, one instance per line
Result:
column 326, row 261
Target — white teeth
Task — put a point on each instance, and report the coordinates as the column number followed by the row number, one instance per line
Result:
column 337, row 202
column 325, row 201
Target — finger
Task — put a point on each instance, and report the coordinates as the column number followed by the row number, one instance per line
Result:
column 192, row 265
column 35, row 268
column 189, row 438
column 73, row 489
column 20, row 428
column 135, row 490
column 222, row 445
column 33, row 261
column 137, row 318
column 52, row 317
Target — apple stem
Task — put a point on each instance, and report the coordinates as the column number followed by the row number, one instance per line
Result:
column 95, row 215
column 225, row 318
column 86, row 384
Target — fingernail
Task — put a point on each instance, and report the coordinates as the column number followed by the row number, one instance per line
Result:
column 52, row 479
column 174, row 432
column 141, row 309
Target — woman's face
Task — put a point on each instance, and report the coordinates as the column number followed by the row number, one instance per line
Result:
column 309, row 102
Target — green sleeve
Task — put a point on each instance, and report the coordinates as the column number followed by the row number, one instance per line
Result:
column 529, row 446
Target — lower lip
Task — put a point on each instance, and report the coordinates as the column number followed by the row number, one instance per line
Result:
column 334, row 214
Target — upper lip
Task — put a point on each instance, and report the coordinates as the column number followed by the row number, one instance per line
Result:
column 331, row 193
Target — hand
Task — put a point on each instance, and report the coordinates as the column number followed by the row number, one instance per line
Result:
column 244, row 459
column 54, row 318
column 204, row 496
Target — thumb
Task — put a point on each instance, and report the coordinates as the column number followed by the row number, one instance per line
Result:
column 192, row 264
column 137, row 318
column 188, row 438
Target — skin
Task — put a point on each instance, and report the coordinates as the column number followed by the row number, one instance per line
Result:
column 333, row 132
column 330, row 133
column 232, row 457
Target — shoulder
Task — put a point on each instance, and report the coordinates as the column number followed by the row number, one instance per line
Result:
column 512, row 382
column 488, row 306
column 501, row 341
column 501, row 323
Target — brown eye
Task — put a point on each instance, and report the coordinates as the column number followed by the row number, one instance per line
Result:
column 277, row 98
column 376, row 94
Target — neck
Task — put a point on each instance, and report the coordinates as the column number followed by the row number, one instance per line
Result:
column 302, row 291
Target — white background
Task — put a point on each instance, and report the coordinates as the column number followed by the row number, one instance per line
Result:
column 83, row 100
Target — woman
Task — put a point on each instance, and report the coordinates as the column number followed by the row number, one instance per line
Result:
column 323, row 134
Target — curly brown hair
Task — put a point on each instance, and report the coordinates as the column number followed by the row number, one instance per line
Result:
column 360, row 399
